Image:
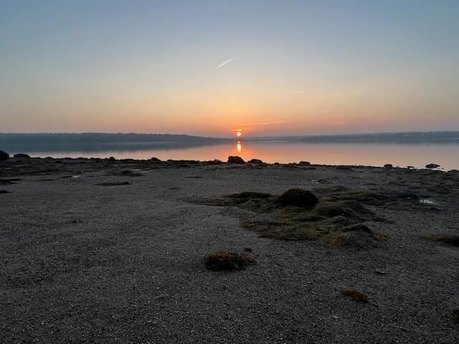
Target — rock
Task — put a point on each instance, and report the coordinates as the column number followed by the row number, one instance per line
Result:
column 388, row 166
column 331, row 209
column 255, row 161
column 304, row 163
column 235, row 160
column 21, row 155
column 4, row 155
column 298, row 198
column 155, row 159
column 228, row 261
column 111, row 159
column 355, row 295
column 359, row 227
column 432, row 166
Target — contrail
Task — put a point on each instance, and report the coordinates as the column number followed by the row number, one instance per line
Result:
column 224, row 63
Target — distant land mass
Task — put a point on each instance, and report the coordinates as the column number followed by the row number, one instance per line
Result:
column 92, row 142
column 437, row 137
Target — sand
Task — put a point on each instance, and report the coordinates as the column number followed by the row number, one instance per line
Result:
column 98, row 251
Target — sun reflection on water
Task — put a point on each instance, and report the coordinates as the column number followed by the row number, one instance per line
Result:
column 239, row 146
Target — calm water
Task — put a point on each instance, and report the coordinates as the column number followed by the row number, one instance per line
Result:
column 417, row 155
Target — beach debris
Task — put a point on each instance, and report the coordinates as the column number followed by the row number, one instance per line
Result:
column 235, row 160
column 355, row 295
column 4, row 155
column 228, row 261
column 450, row 239
column 430, row 166
column 21, row 156
column 298, row 198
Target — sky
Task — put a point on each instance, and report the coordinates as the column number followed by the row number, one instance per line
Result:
column 212, row 67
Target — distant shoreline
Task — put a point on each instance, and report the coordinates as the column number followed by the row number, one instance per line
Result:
column 90, row 142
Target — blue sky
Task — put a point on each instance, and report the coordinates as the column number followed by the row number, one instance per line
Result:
column 297, row 66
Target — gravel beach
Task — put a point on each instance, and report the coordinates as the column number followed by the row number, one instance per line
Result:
column 111, row 251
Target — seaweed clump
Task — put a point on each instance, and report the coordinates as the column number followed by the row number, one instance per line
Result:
column 355, row 295
column 298, row 214
column 228, row 261
column 449, row 239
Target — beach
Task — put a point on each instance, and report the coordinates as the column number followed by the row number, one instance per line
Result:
column 113, row 251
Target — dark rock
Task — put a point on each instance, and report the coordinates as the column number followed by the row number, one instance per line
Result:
column 4, row 155
column 215, row 162
column 432, row 166
column 304, row 163
column 155, row 159
column 111, row 159
column 388, row 166
column 355, row 295
column 298, row 198
column 255, row 161
column 235, row 160
column 4, row 192
column 228, row 261
column 21, row 155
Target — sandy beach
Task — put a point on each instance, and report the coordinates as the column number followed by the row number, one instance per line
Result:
column 113, row 251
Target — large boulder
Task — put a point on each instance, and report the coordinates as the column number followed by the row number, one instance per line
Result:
column 299, row 198
column 235, row 160
column 4, row 155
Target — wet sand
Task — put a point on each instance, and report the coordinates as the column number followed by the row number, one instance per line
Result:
column 110, row 251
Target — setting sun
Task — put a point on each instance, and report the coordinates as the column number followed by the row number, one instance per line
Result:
column 238, row 132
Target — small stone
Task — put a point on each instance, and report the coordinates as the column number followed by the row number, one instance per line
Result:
column 432, row 166
column 21, row 155
column 299, row 198
column 235, row 160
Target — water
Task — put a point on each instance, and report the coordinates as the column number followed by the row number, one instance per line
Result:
column 376, row 154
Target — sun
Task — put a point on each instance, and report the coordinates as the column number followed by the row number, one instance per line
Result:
column 238, row 132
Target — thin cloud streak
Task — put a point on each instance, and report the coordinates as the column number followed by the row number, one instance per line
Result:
column 224, row 63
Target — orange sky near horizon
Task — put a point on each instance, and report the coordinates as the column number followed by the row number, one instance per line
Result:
column 208, row 68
